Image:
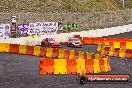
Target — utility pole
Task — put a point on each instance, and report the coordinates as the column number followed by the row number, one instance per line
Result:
column 123, row 3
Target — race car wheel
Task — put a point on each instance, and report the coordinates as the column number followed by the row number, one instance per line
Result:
column 67, row 44
column 48, row 45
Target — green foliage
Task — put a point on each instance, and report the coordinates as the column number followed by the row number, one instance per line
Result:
column 61, row 5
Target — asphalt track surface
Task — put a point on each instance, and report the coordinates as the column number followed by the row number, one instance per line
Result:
column 21, row 71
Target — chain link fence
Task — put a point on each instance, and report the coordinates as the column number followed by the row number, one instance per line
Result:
column 84, row 20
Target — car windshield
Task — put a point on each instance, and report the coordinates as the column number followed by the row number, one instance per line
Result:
column 51, row 39
column 75, row 40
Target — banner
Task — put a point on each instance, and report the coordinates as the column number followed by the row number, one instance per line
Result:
column 22, row 30
column 4, row 31
column 7, row 31
column 42, row 28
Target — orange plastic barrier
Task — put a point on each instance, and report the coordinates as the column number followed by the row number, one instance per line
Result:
column 87, row 55
column 46, row 66
column 92, row 56
column 107, row 64
column 113, row 39
column 129, row 43
column 123, row 45
column 71, row 66
column 49, row 52
column 107, row 50
column 116, row 51
column 102, row 67
column 95, row 40
column 111, row 44
column 89, row 65
column 121, row 39
column 87, row 40
column 61, row 54
column 66, row 54
column 4, row 47
column 22, row 49
column 30, row 50
column 98, row 40
column 105, row 40
column 81, row 55
column 43, row 51
column 55, row 53
column 101, row 40
column 14, row 48
column 122, row 53
column 76, row 54
column 128, row 53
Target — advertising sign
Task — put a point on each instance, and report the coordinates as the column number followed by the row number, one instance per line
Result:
column 22, row 30
column 42, row 28
column 4, row 31
column 7, row 30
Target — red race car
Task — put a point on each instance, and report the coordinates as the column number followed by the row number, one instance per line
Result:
column 50, row 42
column 74, row 42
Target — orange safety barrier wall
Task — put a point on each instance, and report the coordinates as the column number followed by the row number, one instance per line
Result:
column 30, row 50
column 46, row 66
column 71, row 66
column 107, row 49
column 116, row 52
column 43, row 51
column 95, row 40
column 74, row 66
column 123, row 45
column 49, row 52
column 22, row 49
column 87, row 40
column 128, row 53
column 36, row 51
column 4, row 47
column 122, row 39
column 55, row 53
column 61, row 54
column 71, row 56
column 81, row 55
column 60, row 66
column 76, row 54
column 108, row 41
column 89, row 65
column 14, row 48
column 107, row 64
column 102, row 67
column 66, row 54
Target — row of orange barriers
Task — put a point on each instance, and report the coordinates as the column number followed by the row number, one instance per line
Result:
column 74, row 66
column 110, row 41
column 62, row 61
column 47, row 52
column 118, row 52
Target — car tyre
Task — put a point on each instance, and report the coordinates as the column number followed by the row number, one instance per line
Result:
column 67, row 44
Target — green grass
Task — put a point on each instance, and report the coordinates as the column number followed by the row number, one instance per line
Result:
column 61, row 5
